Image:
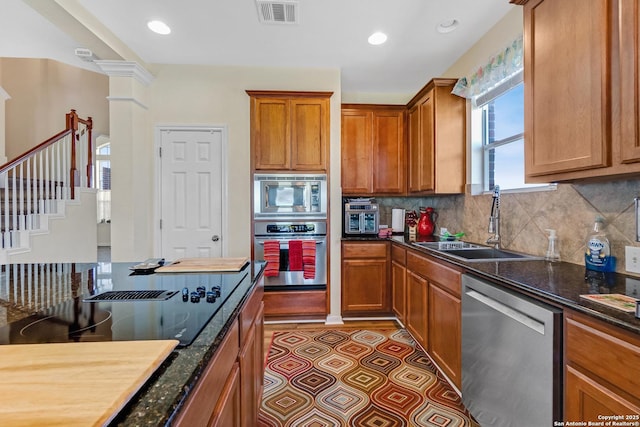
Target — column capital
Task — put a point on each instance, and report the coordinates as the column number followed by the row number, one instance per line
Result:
column 114, row 68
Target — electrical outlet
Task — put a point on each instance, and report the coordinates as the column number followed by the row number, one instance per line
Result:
column 632, row 259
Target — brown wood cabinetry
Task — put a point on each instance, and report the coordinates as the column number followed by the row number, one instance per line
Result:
column 399, row 282
column 373, row 149
column 230, row 389
column 581, row 89
column 434, row 311
column 365, row 278
column 290, row 130
column 602, row 371
column 437, row 141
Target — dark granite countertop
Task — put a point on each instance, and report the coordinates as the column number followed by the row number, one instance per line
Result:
column 557, row 283
column 164, row 394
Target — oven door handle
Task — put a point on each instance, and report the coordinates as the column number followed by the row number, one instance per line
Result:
column 286, row 242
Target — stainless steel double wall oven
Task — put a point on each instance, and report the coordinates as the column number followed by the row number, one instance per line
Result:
column 286, row 207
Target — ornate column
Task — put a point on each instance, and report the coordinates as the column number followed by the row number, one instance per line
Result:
column 132, row 157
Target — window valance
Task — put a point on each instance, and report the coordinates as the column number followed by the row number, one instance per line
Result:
column 502, row 66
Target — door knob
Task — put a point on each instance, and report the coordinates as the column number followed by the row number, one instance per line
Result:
column 215, row 238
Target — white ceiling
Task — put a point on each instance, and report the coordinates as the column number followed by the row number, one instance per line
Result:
column 330, row 34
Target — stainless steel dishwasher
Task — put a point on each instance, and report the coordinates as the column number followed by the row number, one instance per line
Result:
column 511, row 357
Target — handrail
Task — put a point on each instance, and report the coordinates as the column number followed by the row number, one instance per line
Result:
column 33, row 182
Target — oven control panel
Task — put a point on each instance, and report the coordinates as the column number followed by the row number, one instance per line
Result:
column 291, row 228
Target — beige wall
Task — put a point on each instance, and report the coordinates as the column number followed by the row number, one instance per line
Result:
column 42, row 91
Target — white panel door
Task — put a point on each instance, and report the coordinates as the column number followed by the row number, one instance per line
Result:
column 191, row 193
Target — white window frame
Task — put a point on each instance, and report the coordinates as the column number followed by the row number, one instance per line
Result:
column 479, row 150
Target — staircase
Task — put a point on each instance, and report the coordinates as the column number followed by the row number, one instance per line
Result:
column 47, row 208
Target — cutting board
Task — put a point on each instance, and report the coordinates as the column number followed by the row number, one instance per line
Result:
column 200, row 265
column 74, row 384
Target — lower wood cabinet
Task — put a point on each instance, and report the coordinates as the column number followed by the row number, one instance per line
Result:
column 602, row 370
column 399, row 282
column 365, row 278
column 417, row 317
column 434, row 311
column 229, row 391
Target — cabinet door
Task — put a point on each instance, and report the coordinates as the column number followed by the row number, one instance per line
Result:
column 248, row 373
column 388, row 152
column 413, row 119
column 417, row 289
column 309, row 125
column 630, row 80
column 364, row 286
column 445, row 326
column 588, row 400
column 271, row 133
column 399, row 290
column 567, row 90
column 356, row 151
column 227, row 411
column 259, row 356
column 426, row 145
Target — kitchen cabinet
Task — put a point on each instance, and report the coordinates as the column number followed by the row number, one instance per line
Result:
column 289, row 130
column 437, row 140
column 230, row 388
column 399, row 282
column 215, row 385
column 365, row 278
column 434, row 311
column 373, row 149
column 602, row 371
column 417, row 315
column 581, row 75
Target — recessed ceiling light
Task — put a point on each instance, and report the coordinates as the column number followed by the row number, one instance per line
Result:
column 377, row 38
column 159, row 27
column 447, row 26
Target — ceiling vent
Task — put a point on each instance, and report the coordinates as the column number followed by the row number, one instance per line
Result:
column 278, row 12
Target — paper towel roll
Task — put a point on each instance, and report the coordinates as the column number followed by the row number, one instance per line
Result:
column 397, row 220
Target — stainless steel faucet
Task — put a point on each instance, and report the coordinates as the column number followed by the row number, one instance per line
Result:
column 494, row 219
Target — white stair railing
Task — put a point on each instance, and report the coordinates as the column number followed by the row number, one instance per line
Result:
column 32, row 184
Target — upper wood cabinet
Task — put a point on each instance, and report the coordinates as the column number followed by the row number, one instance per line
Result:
column 290, row 130
column 373, row 149
column 581, row 85
column 437, row 141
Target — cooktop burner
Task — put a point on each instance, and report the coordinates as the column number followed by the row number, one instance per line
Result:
column 160, row 314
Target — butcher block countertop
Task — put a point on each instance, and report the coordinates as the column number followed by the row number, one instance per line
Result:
column 74, row 384
column 162, row 395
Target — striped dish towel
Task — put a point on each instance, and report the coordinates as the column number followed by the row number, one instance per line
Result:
column 272, row 256
column 309, row 259
column 295, row 255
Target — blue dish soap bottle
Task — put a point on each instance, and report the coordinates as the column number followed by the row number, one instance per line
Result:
column 598, row 252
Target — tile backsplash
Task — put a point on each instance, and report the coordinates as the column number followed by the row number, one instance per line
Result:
column 525, row 217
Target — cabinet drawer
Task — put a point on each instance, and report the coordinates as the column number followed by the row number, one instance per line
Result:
column 608, row 352
column 399, row 254
column 364, row 250
column 445, row 276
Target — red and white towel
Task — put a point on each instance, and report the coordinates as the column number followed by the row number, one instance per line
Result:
column 309, row 259
column 295, row 255
column 272, row 256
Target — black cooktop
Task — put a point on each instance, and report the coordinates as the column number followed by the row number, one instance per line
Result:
column 123, row 311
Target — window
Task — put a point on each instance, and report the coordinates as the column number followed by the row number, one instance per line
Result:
column 497, row 122
column 103, row 181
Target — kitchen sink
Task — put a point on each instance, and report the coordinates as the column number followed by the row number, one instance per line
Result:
column 471, row 252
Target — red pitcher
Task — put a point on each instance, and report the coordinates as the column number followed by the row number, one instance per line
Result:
column 426, row 225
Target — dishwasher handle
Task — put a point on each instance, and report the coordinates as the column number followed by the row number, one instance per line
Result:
column 516, row 315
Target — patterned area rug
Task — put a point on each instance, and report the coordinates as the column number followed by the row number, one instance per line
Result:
column 355, row 378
